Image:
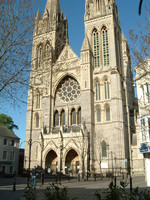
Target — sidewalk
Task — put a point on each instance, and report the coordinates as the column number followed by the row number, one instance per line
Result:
column 84, row 190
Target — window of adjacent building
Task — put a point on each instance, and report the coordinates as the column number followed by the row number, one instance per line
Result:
column 98, row 114
column 40, row 56
column 4, row 155
column 13, row 143
column 38, row 100
column 105, row 46
column 98, row 92
column 11, row 169
column 107, row 91
column 37, row 120
column 56, row 119
column 3, row 169
column 104, row 150
column 143, row 129
column 5, row 142
column 79, row 116
column 62, row 118
column 12, row 155
column 96, row 49
column 73, row 116
column 107, row 113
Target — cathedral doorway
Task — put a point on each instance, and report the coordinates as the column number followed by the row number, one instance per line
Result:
column 51, row 163
column 72, row 162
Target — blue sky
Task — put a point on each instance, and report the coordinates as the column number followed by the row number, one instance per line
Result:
column 74, row 10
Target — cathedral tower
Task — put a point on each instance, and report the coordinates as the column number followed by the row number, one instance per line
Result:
column 79, row 110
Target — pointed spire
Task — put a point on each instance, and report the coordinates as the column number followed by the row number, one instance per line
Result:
column 86, row 44
column 67, row 39
column 123, row 37
column 38, row 16
column 53, row 8
column 46, row 14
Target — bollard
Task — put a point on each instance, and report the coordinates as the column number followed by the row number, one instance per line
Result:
column 87, row 177
column 95, row 176
column 42, row 178
column 14, row 185
column 79, row 177
column 115, row 180
column 130, row 183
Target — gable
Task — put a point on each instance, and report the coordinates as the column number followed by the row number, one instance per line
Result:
column 67, row 59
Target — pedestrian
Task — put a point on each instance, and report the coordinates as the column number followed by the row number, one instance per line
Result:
column 34, row 177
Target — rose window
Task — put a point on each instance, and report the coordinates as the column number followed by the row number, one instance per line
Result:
column 68, row 90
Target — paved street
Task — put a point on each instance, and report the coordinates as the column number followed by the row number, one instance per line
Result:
column 84, row 190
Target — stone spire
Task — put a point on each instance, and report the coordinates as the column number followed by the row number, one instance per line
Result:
column 53, row 8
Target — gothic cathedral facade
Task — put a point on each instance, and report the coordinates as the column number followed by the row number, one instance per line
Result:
column 80, row 110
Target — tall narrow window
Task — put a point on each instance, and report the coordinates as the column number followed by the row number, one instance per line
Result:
column 47, row 50
column 107, row 92
column 4, row 155
column 104, row 150
column 40, row 57
column 98, row 114
column 107, row 113
column 147, row 93
column 56, row 118
column 96, row 49
column 73, row 116
column 38, row 100
column 62, row 118
column 37, row 120
column 105, row 47
column 12, row 155
column 79, row 116
column 98, row 93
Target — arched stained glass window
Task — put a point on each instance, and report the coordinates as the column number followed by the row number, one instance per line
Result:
column 107, row 113
column 37, row 120
column 79, row 116
column 98, row 93
column 96, row 49
column 105, row 46
column 104, row 150
column 107, row 91
column 56, row 119
column 62, row 117
column 98, row 114
column 73, row 116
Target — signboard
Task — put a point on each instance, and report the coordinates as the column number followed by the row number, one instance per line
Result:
column 144, row 148
column 104, row 165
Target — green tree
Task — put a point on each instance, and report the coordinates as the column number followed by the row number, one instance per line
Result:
column 7, row 121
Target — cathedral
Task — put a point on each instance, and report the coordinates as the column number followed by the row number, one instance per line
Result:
column 80, row 113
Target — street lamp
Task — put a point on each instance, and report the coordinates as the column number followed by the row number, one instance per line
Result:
column 112, row 162
column 107, row 146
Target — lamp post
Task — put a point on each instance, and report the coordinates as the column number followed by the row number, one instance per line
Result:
column 112, row 162
column 30, row 143
column 107, row 145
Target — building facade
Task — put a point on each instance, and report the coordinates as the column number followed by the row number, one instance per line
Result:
column 142, row 79
column 80, row 110
column 9, row 151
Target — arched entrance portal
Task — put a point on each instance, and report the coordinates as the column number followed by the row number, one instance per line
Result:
column 51, row 163
column 72, row 162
